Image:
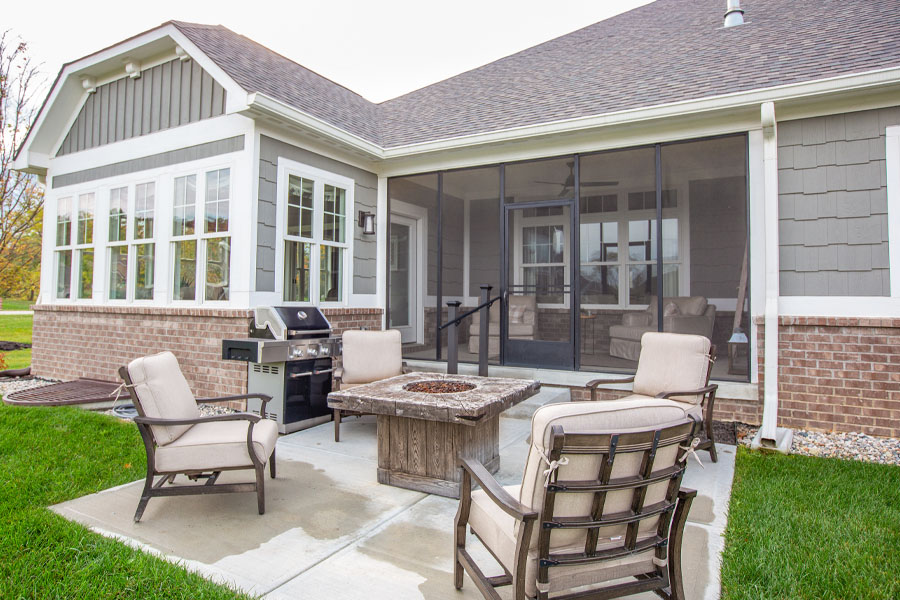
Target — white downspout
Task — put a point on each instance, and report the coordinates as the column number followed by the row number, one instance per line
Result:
column 770, row 435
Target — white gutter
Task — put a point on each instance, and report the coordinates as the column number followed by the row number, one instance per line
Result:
column 270, row 106
column 770, row 435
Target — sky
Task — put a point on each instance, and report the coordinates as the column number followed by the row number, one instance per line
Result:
column 379, row 49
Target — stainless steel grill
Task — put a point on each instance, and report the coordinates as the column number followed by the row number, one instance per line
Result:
column 289, row 351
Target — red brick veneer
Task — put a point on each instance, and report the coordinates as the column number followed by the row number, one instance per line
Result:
column 73, row 341
column 837, row 373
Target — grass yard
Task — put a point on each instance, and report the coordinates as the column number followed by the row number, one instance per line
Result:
column 812, row 528
column 10, row 304
column 16, row 328
column 48, row 455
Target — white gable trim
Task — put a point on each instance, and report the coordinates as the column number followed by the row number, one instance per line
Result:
column 67, row 95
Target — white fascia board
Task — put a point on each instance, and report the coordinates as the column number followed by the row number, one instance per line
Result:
column 258, row 102
column 44, row 135
column 675, row 109
column 863, row 307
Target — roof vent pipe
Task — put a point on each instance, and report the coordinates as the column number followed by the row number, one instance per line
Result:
column 734, row 14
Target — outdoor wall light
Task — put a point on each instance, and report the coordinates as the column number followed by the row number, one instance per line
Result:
column 367, row 222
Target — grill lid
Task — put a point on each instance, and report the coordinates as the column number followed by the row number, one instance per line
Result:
column 288, row 322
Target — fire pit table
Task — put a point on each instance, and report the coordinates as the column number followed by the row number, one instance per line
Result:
column 426, row 420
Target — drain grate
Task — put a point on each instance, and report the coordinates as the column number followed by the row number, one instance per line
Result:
column 80, row 391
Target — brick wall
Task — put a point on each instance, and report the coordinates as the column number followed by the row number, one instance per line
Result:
column 94, row 341
column 839, row 374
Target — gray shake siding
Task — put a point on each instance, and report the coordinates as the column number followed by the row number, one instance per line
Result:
column 165, row 96
column 832, row 193
column 364, row 196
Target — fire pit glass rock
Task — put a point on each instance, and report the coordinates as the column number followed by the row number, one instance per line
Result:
column 438, row 386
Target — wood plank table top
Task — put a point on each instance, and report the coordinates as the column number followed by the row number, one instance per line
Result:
column 490, row 397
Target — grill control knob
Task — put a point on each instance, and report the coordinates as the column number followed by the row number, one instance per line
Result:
column 312, row 351
column 324, row 350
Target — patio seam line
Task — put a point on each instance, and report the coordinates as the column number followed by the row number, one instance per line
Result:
column 289, row 445
column 346, row 546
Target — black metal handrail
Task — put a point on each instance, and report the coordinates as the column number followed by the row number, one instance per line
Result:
column 459, row 318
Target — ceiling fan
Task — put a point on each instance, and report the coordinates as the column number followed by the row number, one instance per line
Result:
column 569, row 183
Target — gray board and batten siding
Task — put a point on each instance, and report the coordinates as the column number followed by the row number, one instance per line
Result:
column 153, row 161
column 365, row 198
column 169, row 95
column 832, row 195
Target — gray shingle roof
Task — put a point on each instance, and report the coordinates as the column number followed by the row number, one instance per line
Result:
column 663, row 52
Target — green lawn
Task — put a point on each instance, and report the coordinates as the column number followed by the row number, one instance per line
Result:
column 10, row 304
column 812, row 528
column 16, row 328
column 48, row 455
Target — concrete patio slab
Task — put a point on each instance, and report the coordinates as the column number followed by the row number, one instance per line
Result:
column 331, row 531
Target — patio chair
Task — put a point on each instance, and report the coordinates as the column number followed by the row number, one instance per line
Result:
column 677, row 367
column 179, row 441
column 600, row 503
column 367, row 356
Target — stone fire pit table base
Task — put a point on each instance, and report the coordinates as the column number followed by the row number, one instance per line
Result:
column 421, row 435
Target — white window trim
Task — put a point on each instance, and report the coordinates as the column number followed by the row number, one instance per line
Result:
column 162, row 233
column 621, row 216
column 320, row 177
column 68, row 247
column 200, row 235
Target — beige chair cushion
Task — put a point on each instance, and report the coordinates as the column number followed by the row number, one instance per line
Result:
column 371, row 355
column 672, row 362
column 163, row 393
column 211, row 446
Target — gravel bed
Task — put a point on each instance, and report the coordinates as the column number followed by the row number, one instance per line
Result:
column 206, row 410
column 847, row 446
column 9, row 385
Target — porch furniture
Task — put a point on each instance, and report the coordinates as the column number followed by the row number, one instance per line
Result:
column 600, row 503
column 421, row 435
column 367, row 356
column 179, row 441
column 676, row 368
column 522, row 315
column 682, row 314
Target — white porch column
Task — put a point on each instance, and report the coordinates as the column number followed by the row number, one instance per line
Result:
column 770, row 435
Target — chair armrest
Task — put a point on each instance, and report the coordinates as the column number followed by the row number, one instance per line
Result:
column 685, row 493
column 338, row 374
column 596, row 382
column 495, row 491
column 263, row 397
column 594, row 385
column 703, row 390
column 211, row 419
column 404, row 368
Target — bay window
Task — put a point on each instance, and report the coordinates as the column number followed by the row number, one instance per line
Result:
column 217, row 243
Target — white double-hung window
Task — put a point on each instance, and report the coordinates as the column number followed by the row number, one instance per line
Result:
column 316, row 208
column 201, row 252
column 75, row 246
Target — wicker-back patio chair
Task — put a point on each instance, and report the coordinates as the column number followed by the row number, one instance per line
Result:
column 600, row 512
column 677, row 367
column 179, row 441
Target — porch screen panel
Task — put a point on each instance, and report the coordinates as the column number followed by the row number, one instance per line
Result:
column 416, row 198
column 548, row 179
column 617, row 274
column 704, row 244
column 470, row 212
